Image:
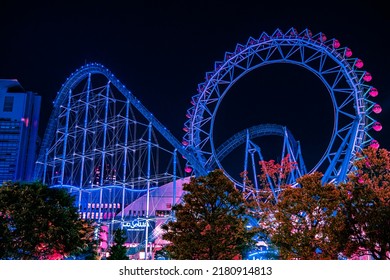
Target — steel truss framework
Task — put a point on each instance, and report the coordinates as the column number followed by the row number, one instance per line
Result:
column 342, row 75
column 253, row 155
column 108, row 150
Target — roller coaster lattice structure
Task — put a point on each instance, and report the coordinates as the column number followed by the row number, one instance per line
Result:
column 108, row 150
column 103, row 146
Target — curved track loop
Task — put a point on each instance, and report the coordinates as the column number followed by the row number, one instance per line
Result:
column 290, row 147
column 253, row 132
column 342, row 75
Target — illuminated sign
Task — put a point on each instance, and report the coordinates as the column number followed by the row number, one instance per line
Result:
column 135, row 225
column 136, row 229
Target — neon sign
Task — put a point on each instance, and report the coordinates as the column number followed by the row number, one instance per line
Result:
column 135, row 225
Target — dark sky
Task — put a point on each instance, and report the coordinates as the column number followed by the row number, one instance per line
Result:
column 161, row 51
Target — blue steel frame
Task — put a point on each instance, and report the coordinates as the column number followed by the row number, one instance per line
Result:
column 66, row 90
column 253, row 154
column 101, row 145
column 347, row 84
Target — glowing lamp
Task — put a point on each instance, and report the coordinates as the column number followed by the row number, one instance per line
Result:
column 377, row 109
column 188, row 169
column 188, row 116
column 185, row 143
column 377, row 126
column 336, row 44
column 359, row 63
column 373, row 92
column 348, row 52
column 185, row 129
column 360, row 180
column 374, row 144
column 367, row 77
column 25, row 121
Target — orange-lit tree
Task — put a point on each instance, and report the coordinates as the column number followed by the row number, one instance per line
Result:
column 306, row 220
column 368, row 205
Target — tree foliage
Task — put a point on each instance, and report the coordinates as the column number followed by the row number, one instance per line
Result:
column 210, row 223
column 118, row 250
column 303, row 220
column 368, row 205
column 91, row 250
column 274, row 173
column 321, row 220
column 308, row 221
column 38, row 222
column 162, row 254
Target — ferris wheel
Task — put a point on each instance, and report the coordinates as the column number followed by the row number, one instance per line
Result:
column 342, row 75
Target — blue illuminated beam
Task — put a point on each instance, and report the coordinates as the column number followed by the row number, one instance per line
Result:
column 96, row 68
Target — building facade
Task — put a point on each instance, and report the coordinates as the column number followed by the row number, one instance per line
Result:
column 19, row 140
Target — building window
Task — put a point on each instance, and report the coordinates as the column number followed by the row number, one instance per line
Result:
column 8, row 103
column 163, row 213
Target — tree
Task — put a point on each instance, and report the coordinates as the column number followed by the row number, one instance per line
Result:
column 162, row 254
column 118, row 250
column 274, row 177
column 38, row 222
column 308, row 221
column 91, row 251
column 368, row 205
column 303, row 220
column 210, row 223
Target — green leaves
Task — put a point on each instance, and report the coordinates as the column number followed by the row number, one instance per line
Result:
column 210, row 223
column 38, row 222
column 118, row 250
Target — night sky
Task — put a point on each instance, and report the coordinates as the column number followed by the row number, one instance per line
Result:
column 161, row 51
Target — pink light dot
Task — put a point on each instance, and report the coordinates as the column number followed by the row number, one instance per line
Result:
column 377, row 126
column 367, row 77
column 373, row 92
column 377, row 109
column 336, row 44
column 359, row 63
column 348, row 52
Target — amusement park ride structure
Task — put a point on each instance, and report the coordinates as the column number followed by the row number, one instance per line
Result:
column 114, row 155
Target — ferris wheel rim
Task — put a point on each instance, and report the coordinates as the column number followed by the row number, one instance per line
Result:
column 200, row 114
